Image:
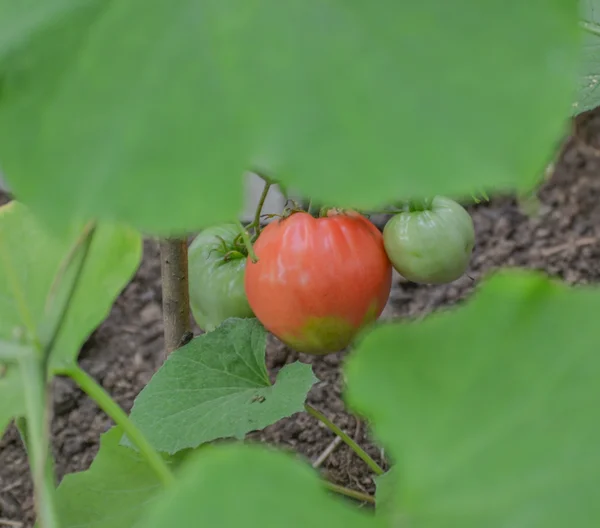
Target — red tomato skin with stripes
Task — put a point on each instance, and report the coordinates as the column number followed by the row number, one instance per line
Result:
column 318, row 281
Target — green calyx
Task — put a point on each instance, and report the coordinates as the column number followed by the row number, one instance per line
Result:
column 236, row 249
column 420, row 204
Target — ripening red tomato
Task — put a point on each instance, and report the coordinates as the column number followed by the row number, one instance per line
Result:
column 318, row 281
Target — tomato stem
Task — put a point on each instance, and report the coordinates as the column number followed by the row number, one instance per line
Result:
column 35, row 434
column 345, row 438
column 248, row 242
column 34, row 429
column 97, row 393
column 265, row 178
column 259, row 207
column 84, row 243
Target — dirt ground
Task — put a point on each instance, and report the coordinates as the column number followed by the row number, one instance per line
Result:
column 125, row 351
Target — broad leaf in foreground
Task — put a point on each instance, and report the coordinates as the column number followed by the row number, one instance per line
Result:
column 385, row 497
column 34, row 279
column 589, row 78
column 217, row 386
column 20, row 19
column 112, row 493
column 344, row 101
column 249, row 485
column 11, row 351
column 490, row 410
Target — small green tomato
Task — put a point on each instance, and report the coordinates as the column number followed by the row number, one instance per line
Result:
column 431, row 243
column 216, row 276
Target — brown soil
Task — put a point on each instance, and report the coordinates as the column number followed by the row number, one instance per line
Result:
column 563, row 240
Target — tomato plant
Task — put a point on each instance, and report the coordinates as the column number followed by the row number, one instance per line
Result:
column 318, row 281
column 431, row 242
column 216, row 276
column 120, row 114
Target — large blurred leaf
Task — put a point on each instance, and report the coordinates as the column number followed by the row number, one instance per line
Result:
column 162, row 138
column 241, row 485
column 385, row 493
column 19, row 19
column 589, row 89
column 30, row 298
column 123, row 109
column 217, row 386
column 490, row 410
column 112, row 493
column 12, row 398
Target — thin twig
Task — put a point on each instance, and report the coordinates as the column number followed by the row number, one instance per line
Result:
column 358, row 430
column 351, row 443
column 11, row 486
column 175, row 291
column 357, row 495
column 328, row 450
column 586, row 241
column 8, row 522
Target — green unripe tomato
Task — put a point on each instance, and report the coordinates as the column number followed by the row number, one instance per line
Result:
column 432, row 245
column 216, row 277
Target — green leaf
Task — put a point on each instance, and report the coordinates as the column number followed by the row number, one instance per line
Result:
column 171, row 104
column 112, row 493
column 12, row 397
column 11, row 351
column 588, row 97
column 164, row 135
column 217, row 386
column 386, row 491
column 248, row 485
column 490, row 410
column 20, row 19
column 31, row 256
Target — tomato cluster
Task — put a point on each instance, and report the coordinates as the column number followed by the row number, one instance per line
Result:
column 318, row 281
